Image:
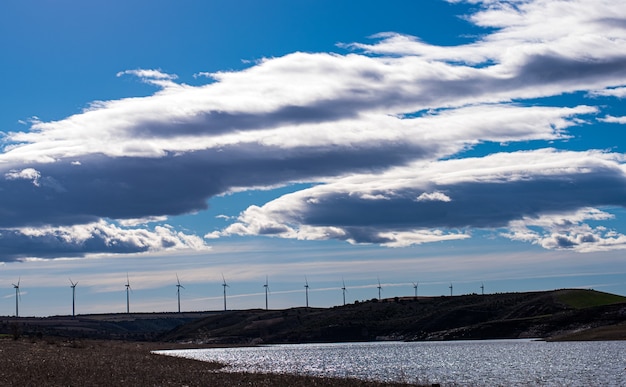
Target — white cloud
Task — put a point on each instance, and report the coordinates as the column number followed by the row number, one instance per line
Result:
column 614, row 120
column 618, row 92
column 433, row 196
column 377, row 128
column 154, row 77
column 568, row 231
column 489, row 193
column 25, row 174
column 93, row 238
column 140, row 221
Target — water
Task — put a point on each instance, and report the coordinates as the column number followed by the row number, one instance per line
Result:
column 450, row 363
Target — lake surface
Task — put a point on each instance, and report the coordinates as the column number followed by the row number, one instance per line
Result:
column 451, row 363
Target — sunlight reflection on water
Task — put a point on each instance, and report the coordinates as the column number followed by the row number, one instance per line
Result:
column 458, row 363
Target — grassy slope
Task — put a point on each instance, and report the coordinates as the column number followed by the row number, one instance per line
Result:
column 580, row 299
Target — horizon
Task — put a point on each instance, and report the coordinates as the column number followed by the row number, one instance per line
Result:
column 355, row 302
column 260, row 296
column 460, row 142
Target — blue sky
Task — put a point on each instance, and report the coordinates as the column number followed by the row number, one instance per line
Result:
column 432, row 142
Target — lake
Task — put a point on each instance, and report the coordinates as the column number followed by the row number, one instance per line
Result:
column 450, row 363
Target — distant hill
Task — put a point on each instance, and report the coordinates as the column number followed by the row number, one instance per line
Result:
column 493, row 316
column 560, row 314
column 116, row 326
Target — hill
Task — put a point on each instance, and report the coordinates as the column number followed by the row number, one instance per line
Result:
column 494, row 316
column 116, row 326
column 560, row 314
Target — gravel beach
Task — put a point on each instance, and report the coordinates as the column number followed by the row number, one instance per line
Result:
column 58, row 362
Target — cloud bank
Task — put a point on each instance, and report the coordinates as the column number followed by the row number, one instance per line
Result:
column 380, row 128
column 444, row 199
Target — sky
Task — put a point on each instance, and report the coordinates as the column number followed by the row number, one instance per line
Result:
column 433, row 146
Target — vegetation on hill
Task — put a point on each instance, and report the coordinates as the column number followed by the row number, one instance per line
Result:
column 580, row 299
column 492, row 316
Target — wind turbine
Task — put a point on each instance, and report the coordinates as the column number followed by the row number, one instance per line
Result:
column 450, row 289
column 343, row 288
column 306, row 290
column 267, row 288
column 482, row 288
column 415, row 287
column 73, row 286
column 127, row 294
column 178, row 286
column 17, row 297
column 379, row 288
column 225, row 285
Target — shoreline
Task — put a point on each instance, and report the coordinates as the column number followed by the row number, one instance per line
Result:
column 52, row 361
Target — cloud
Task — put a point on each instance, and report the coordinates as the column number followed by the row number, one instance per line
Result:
column 618, row 92
column 154, row 77
column 613, row 120
column 435, row 201
column 104, row 184
column 568, row 231
column 377, row 128
column 26, row 174
column 91, row 239
column 433, row 196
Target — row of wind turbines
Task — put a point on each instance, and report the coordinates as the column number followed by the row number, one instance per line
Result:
column 224, row 285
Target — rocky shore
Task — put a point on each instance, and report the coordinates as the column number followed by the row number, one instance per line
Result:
column 58, row 362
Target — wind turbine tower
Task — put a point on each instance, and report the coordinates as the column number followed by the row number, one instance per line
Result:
column 450, row 289
column 127, row 294
column 482, row 288
column 379, row 288
column 415, row 287
column 343, row 288
column 178, row 286
column 73, row 286
column 224, row 285
column 267, row 288
column 306, row 290
column 17, row 297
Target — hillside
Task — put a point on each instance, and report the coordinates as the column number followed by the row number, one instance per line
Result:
column 507, row 315
column 562, row 314
column 117, row 326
